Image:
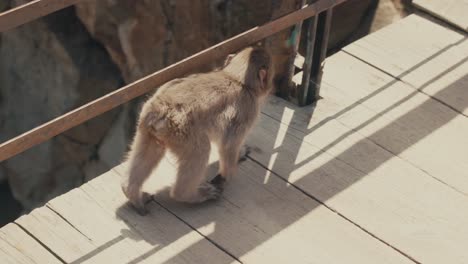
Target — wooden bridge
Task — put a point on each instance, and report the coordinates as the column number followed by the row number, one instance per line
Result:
column 375, row 172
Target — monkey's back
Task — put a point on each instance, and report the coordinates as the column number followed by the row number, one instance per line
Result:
column 201, row 102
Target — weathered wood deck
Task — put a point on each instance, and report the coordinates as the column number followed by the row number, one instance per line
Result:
column 452, row 11
column 377, row 172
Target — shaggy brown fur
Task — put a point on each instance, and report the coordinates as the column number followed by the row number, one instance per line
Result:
column 185, row 114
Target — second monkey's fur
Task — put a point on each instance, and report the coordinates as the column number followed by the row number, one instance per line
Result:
column 186, row 114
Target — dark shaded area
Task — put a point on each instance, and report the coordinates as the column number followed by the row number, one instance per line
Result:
column 48, row 67
column 10, row 208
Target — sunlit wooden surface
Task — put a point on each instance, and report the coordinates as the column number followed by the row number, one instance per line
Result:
column 377, row 172
column 451, row 11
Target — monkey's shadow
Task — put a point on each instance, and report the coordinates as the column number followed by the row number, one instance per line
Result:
column 250, row 212
column 162, row 211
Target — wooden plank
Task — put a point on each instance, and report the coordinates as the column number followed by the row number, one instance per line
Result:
column 30, row 11
column 261, row 216
column 150, row 82
column 451, row 11
column 408, row 123
column 155, row 238
column 18, row 247
column 55, row 233
column 384, row 194
column 428, row 56
column 92, row 224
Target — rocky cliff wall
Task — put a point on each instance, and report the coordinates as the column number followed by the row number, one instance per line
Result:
column 47, row 68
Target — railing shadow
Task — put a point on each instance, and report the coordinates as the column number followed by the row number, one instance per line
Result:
column 352, row 170
column 240, row 227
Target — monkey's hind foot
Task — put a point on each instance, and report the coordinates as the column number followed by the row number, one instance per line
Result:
column 211, row 191
column 139, row 205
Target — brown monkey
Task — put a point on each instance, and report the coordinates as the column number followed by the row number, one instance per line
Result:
column 185, row 115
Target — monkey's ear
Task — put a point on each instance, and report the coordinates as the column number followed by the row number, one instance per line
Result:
column 262, row 75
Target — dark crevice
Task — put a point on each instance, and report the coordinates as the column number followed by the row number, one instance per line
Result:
column 11, row 208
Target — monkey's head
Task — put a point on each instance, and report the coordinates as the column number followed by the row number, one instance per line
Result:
column 252, row 67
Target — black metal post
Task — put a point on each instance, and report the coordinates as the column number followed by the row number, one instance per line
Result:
column 318, row 31
column 311, row 32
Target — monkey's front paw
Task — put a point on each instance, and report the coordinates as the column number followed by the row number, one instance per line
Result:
column 244, row 152
column 210, row 191
column 140, row 209
column 218, row 181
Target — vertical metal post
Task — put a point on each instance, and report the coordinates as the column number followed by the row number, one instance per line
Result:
column 291, row 47
column 311, row 32
column 294, row 46
column 318, row 31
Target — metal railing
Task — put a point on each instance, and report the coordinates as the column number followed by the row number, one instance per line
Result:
column 317, row 16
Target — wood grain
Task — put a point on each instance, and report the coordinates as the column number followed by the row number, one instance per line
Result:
column 408, row 123
column 260, row 215
column 18, row 247
column 351, row 169
column 93, row 224
column 422, row 53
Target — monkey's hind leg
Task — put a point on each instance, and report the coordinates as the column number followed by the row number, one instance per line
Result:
column 145, row 154
column 190, row 185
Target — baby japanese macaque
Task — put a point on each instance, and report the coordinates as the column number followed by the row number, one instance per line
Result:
column 185, row 115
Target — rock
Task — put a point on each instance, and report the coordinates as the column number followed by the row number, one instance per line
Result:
column 388, row 11
column 144, row 36
column 350, row 22
column 116, row 141
column 355, row 19
column 48, row 67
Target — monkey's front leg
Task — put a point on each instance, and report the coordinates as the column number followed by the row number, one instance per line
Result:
column 244, row 153
column 229, row 157
column 219, row 180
